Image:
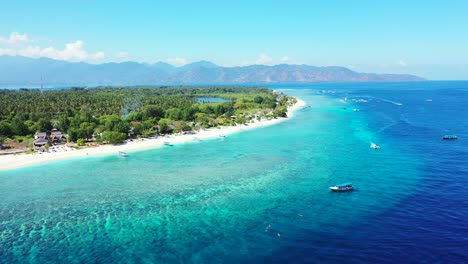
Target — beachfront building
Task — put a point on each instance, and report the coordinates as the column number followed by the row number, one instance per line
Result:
column 56, row 136
column 40, row 135
column 41, row 138
column 131, row 132
column 40, row 142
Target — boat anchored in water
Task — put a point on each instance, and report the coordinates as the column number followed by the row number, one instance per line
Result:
column 344, row 187
column 450, row 137
column 123, row 154
column 374, row 146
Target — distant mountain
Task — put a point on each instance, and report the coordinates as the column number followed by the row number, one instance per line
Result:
column 17, row 70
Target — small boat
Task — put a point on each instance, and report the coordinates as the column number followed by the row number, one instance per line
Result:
column 222, row 136
column 450, row 137
column 123, row 154
column 167, row 143
column 344, row 187
column 374, row 146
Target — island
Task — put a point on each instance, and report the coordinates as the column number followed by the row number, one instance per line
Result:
column 39, row 122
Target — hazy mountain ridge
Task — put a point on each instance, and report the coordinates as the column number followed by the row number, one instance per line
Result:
column 28, row 71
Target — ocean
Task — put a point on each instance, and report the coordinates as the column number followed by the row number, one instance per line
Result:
column 261, row 196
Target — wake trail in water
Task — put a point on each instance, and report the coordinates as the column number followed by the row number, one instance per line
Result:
column 383, row 100
column 389, row 101
column 391, row 123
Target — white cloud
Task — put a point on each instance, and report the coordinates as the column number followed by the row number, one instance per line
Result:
column 264, row 59
column 402, row 63
column 122, row 55
column 177, row 61
column 289, row 60
column 15, row 38
column 99, row 55
column 72, row 52
column 285, row 59
column 18, row 44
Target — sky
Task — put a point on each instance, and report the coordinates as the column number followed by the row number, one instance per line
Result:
column 426, row 38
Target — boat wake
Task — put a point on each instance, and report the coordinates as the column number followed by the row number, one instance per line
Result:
column 390, row 101
column 377, row 99
column 391, row 123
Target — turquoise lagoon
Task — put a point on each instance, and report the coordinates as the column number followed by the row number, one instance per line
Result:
column 242, row 198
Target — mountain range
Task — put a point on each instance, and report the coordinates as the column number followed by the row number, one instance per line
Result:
column 18, row 70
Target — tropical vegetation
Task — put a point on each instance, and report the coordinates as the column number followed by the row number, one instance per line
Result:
column 114, row 114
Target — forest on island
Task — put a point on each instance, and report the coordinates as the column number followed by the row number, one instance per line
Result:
column 114, row 114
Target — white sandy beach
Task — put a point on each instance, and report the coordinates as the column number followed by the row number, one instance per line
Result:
column 9, row 162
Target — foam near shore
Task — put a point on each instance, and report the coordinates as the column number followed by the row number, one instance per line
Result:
column 9, row 162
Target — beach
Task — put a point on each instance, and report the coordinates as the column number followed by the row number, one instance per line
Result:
column 9, row 162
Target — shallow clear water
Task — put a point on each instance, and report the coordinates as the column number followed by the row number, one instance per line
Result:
column 261, row 195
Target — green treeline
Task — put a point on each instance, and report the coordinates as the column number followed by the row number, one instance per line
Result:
column 113, row 114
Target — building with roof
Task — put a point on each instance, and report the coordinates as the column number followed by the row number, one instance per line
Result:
column 56, row 136
column 40, row 142
column 39, row 135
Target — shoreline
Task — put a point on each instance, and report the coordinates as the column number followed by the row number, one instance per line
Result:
column 10, row 162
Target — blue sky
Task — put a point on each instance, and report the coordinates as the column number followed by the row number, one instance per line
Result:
column 428, row 38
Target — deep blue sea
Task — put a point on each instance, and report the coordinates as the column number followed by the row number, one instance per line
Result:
column 261, row 196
